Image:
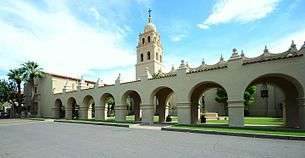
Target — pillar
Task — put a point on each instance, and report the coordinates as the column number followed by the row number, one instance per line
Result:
column 301, row 103
column 137, row 112
column 100, row 113
column 90, row 112
column 56, row 113
column 83, row 112
column 68, row 113
column 147, row 113
column 236, row 113
column 195, row 114
column 184, row 113
column 120, row 112
column 161, row 111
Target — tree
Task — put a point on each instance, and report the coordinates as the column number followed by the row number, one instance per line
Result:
column 8, row 92
column 31, row 71
column 222, row 97
column 16, row 75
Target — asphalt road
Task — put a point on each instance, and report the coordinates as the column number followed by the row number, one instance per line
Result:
column 58, row 140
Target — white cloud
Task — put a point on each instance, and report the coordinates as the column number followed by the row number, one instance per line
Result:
column 58, row 41
column 225, row 11
column 177, row 30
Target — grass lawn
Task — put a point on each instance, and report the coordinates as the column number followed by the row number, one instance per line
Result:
column 270, row 121
column 247, row 130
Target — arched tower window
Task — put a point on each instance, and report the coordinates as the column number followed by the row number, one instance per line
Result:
column 148, row 39
column 143, row 40
column 142, row 58
column 148, row 55
column 157, row 56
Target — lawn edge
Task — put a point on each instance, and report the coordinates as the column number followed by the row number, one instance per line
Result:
column 234, row 134
column 94, row 123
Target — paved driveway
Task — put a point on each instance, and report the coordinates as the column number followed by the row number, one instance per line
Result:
column 57, row 140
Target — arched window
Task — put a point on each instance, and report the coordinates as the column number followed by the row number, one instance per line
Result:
column 142, row 58
column 160, row 58
column 157, row 56
column 148, row 55
column 148, row 39
column 143, row 40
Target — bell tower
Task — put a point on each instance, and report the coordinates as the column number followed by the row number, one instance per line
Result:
column 149, row 50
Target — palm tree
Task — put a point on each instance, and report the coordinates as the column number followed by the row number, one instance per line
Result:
column 31, row 71
column 16, row 75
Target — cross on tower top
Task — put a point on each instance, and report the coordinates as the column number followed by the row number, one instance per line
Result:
column 149, row 15
column 149, row 12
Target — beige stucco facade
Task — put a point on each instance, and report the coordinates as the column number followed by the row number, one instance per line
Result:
column 285, row 70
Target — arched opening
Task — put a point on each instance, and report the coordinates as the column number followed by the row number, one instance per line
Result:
column 74, row 108
column 59, row 109
column 160, row 58
column 142, row 57
column 208, row 102
column 148, row 55
column 132, row 100
column 148, row 39
column 275, row 101
column 164, row 102
column 143, row 40
column 89, row 103
column 108, row 101
column 157, row 56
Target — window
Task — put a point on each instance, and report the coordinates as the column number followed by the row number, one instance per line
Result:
column 148, row 39
column 148, row 55
column 143, row 40
column 160, row 58
column 35, row 90
column 157, row 56
column 142, row 58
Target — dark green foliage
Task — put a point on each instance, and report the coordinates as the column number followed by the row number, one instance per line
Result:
column 222, row 97
column 7, row 91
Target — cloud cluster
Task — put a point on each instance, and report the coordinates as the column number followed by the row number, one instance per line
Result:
column 58, row 40
column 243, row 11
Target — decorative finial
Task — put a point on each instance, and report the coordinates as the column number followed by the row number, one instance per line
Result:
column 221, row 58
column 266, row 49
column 235, row 54
column 149, row 15
column 173, row 68
column 234, row 50
column 293, row 47
column 242, row 54
column 187, row 64
column 203, row 62
column 182, row 65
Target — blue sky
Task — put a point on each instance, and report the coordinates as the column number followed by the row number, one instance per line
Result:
column 99, row 38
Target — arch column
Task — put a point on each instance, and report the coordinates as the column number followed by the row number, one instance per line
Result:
column 120, row 112
column 100, row 113
column 184, row 113
column 68, row 114
column 236, row 113
column 56, row 112
column 147, row 113
column 301, row 103
column 83, row 112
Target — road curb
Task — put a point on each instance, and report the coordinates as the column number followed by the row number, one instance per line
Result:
column 235, row 134
column 94, row 123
